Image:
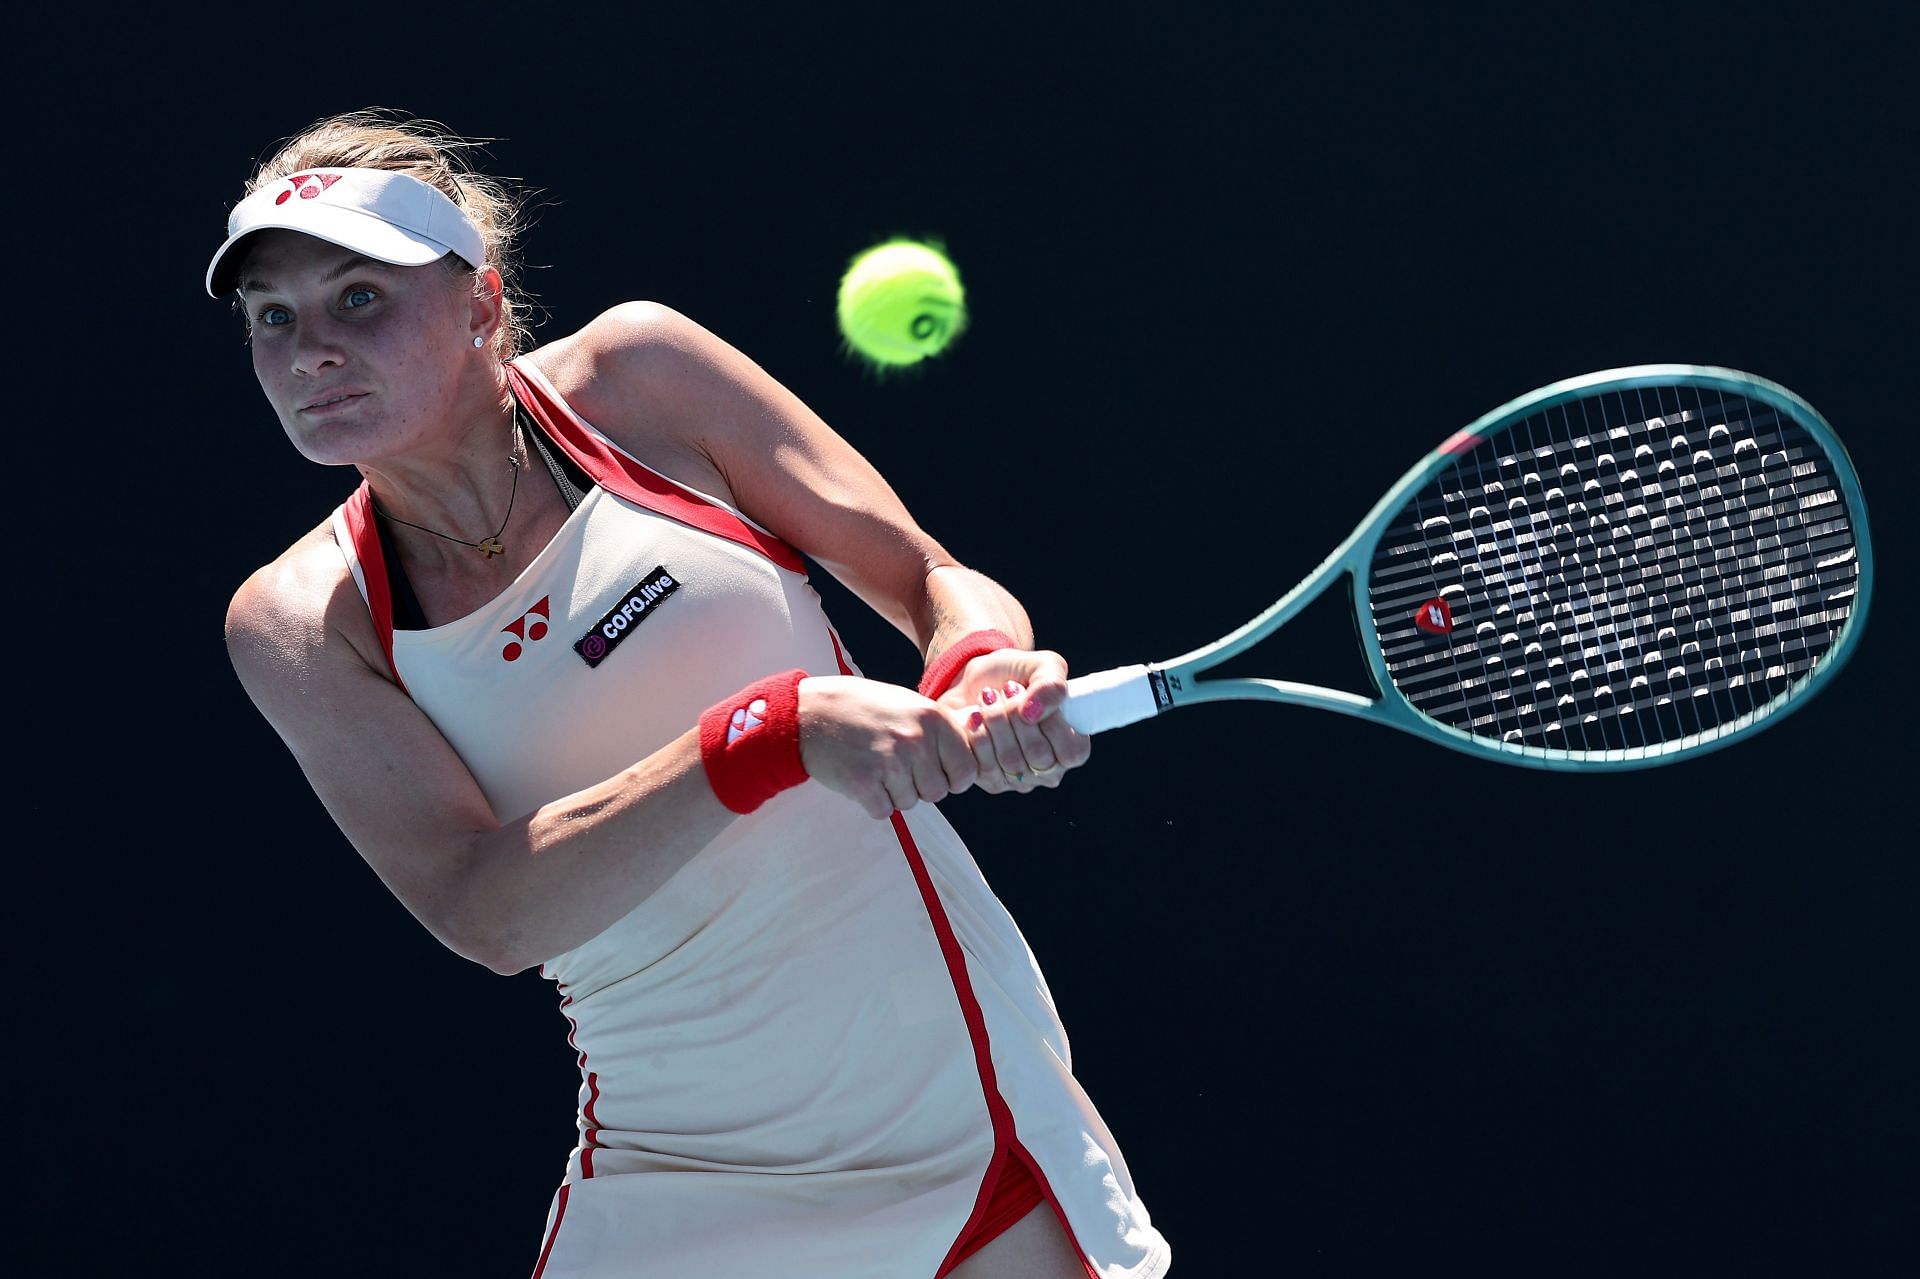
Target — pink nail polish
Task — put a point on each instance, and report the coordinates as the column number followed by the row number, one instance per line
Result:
column 1032, row 712
column 1013, row 688
column 976, row 720
column 988, row 696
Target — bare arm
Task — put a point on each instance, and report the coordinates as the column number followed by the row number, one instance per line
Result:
column 509, row 894
column 300, row 642
column 659, row 383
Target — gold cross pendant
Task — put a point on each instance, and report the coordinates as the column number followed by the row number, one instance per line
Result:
column 491, row 547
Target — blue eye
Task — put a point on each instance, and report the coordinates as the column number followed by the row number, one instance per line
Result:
column 273, row 317
column 359, row 297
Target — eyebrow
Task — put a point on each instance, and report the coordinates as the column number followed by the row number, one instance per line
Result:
column 347, row 266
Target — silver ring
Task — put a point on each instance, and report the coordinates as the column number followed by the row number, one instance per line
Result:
column 1050, row 768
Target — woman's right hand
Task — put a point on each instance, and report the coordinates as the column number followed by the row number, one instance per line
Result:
column 883, row 746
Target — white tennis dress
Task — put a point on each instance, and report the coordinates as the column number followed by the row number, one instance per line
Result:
column 807, row 1054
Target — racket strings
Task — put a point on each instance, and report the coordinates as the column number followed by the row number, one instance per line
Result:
column 1714, row 589
column 1623, row 570
column 1641, row 561
column 1636, row 567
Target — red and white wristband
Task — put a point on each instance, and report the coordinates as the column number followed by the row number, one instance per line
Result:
column 750, row 743
column 946, row 668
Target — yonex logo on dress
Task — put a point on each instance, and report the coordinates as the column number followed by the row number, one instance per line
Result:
column 746, row 719
column 640, row 603
column 530, row 626
column 306, row 186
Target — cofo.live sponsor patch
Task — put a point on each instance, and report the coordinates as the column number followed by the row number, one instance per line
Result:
column 639, row 603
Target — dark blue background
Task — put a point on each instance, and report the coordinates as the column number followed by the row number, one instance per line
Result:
column 1353, row 1004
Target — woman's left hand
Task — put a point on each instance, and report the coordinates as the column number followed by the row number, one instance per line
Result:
column 1011, row 698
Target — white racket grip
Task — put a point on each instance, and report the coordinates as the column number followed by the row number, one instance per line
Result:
column 1109, row 699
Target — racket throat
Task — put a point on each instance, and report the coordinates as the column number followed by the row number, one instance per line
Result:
column 1365, row 640
column 1310, row 643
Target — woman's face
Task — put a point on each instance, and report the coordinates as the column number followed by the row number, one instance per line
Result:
column 359, row 359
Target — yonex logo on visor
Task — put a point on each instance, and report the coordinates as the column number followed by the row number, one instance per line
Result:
column 306, row 186
column 388, row 216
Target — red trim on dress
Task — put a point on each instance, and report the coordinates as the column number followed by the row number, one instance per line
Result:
column 622, row 475
column 609, row 468
column 553, row 1232
column 590, row 1132
column 1006, row 1142
column 1015, row 1194
column 994, row 1206
column 358, row 509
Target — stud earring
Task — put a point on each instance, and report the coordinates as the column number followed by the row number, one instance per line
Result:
column 478, row 341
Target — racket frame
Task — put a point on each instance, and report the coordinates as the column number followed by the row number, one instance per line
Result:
column 1122, row 695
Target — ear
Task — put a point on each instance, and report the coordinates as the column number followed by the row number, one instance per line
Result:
column 486, row 305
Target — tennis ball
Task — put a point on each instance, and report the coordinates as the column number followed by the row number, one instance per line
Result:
column 900, row 302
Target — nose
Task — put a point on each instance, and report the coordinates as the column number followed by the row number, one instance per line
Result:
column 316, row 348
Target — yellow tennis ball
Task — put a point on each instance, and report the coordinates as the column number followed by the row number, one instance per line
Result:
column 900, row 302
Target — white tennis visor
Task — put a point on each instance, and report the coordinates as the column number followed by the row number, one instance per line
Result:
column 390, row 217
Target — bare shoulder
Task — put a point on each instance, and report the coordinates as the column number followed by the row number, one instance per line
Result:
column 633, row 347
column 660, row 385
column 296, row 614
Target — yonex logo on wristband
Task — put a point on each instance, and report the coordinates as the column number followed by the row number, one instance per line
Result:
column 638, row 605
column 746, row 719
column 750, row 742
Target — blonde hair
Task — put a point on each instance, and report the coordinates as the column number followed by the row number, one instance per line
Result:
column 382, row 138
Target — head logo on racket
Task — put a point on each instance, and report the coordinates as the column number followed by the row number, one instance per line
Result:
column 1434, row 617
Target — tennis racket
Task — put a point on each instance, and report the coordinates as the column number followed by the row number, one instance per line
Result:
column 1615, row 571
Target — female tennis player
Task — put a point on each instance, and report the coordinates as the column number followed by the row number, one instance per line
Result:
column 555, row 669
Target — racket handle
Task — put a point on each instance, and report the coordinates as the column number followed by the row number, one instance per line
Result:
column 1109, row 699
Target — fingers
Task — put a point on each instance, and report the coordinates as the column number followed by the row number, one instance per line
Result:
column 958, row 767
column 888, row 748
column 990, row 775
column 1069, row 747
column 885, row 748
column 1021, row 742
column 1017, row 740
column 935, row 763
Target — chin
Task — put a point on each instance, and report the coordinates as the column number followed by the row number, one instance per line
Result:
column 330, row 443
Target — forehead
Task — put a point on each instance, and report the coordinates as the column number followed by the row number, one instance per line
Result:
column 278, row 258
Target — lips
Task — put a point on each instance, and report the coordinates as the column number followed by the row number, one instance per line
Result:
column 331, row 400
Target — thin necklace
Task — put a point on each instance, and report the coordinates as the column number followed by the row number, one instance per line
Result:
column 488, row 547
